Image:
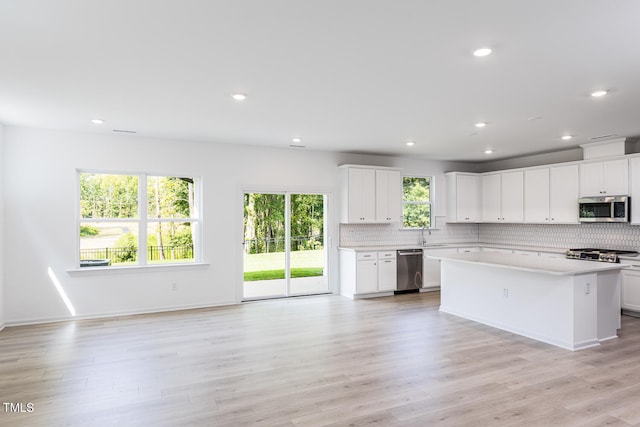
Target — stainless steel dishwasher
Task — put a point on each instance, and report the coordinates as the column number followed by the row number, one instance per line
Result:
column 409, row 270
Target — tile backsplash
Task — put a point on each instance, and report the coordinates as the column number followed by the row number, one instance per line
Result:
column 601, row 235
column 390, row 234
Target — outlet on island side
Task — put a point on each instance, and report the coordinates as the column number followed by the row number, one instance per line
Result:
column 174, row 286
column 505, row 292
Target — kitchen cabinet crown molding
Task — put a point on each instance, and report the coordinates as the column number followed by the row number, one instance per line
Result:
column 349, row 165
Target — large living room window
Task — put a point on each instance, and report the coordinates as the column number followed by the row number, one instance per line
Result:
column 138, row 219
column 416, row 202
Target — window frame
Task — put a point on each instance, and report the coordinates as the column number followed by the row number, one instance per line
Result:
column 143, row 220
column 429, row 203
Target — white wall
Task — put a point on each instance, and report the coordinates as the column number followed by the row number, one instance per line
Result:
column 1, row 227
column 40, row 227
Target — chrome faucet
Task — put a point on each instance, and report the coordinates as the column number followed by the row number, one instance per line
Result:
column 424, row 241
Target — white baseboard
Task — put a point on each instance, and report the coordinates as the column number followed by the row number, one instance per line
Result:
column 106, row 315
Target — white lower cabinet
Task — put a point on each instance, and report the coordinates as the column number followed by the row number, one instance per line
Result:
column 630, row 291
column 374, row 273
column 387, row 271
column 367, row 273
column 498, row 250
column 469, row 249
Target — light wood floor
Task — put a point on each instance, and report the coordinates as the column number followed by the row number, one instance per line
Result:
column 316, row 361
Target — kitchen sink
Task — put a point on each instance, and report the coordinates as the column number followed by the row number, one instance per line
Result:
column 433, row 245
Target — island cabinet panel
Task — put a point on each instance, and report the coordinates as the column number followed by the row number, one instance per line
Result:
column 606, row 178
column 431, row 267
column 568, row 303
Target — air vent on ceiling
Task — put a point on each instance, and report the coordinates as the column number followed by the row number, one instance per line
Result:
column 597, row 138
column 124, row 131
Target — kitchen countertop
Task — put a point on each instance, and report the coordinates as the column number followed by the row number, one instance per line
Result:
column 435, row 246
column 556, row 266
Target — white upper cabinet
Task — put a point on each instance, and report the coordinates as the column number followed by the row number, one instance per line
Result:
column 513, row 196
column 606, row 178
column 551, row 195
column 371, row 195
column 634, row 190
column 463, row 197
column 360, row 196
column 503, row 197
column 563, row 194
column 536, row 195
column 388, row 196
column 491, row 198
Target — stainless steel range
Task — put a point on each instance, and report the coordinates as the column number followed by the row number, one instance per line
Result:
column 602, row 255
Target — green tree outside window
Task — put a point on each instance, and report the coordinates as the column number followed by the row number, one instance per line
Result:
column 416, row 202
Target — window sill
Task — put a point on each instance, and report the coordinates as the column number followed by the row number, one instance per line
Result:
column 104, row 271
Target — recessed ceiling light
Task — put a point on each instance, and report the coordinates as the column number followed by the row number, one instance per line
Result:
column 488, row 151
column 296, row 140
column 480, row 125
column 410, row 143
column 97, row 121
column 566, row 137
column 484, row 51
column 239, row 96
column 598, row 93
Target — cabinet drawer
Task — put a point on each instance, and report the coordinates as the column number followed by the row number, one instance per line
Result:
column 386, row 255
column 464, row 250
column 366, row 256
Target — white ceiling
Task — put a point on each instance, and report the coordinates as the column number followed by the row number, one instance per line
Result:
column 346, row 75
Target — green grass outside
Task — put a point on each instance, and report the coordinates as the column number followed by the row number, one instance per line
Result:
column 271, row 266
column 252, row 276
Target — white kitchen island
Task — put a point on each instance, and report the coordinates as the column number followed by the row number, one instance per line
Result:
column 571, row 304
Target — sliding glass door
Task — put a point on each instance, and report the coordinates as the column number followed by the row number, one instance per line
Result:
column 284, row 245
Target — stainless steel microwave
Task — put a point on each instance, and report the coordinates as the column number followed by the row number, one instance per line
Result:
column 604, row 209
